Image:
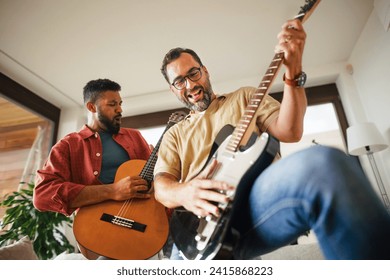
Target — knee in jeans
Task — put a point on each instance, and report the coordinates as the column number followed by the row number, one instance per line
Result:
column 326, row 157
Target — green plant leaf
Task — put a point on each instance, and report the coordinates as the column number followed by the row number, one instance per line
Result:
column 23, row 219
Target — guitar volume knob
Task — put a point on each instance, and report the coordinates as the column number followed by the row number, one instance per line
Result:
column 200, row 237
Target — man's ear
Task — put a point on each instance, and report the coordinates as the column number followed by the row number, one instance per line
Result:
column 91, row 107
column 206, row 71
column 172, row 88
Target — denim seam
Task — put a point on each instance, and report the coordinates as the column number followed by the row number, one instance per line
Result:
column 287, row 203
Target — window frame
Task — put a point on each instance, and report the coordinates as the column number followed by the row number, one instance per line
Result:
column 24, row 97
column 315, row 95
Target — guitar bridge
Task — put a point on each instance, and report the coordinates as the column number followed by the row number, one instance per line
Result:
column 123, row 222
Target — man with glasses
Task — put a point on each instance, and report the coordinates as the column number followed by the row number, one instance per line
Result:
column 319, row 188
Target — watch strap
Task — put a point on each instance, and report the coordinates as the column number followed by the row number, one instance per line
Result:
column 292, row 82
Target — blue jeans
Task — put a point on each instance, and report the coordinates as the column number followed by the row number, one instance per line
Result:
column 322, row 189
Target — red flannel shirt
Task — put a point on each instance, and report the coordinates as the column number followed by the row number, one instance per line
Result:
column 74, row 162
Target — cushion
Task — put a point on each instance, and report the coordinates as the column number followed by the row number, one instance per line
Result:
column 70, row 256
column 20, row 250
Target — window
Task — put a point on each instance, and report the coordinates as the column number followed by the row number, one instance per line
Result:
column 335, row 122
column 321, row 127
column 28, row 129
column 152, row 134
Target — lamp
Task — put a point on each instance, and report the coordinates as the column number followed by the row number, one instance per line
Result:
column 364, row 138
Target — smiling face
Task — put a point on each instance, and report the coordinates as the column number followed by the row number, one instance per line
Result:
column 196, row 95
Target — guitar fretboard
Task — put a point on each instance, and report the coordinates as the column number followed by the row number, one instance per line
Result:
column 147, row 171
column 254, row 103
column 263, row 89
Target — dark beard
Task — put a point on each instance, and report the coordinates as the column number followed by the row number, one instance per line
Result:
column 109, row 124
column 203, row 104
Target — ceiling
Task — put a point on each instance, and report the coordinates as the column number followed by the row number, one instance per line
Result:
column 53, row 47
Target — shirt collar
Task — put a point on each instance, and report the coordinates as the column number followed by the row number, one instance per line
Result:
column 86, row 132
column 212, row 107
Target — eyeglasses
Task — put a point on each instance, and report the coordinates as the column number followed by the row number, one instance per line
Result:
column 194, row 75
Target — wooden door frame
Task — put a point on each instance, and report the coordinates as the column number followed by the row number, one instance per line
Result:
column 24, row 97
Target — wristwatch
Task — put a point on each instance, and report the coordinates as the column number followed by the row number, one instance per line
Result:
column 298, row 81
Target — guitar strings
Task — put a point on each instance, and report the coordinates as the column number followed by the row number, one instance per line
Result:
column 128, row 207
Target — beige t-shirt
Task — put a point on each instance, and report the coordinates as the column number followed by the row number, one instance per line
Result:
column 186, row 146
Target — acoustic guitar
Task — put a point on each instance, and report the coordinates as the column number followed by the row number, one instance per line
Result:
column 241, row 157
column 134, row 229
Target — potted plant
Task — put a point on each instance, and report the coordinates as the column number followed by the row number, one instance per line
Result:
column 22, row 218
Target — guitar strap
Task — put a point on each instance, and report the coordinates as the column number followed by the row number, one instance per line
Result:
column 221, row 136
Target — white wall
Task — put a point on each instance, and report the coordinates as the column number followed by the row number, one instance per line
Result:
column 366, row 92
column 72, row 119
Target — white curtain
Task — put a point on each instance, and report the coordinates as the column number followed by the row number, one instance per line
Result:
column 37, row 155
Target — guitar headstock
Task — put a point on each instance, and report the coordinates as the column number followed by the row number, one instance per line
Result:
column 177, row 116
column 173, row 119
column 307, row 10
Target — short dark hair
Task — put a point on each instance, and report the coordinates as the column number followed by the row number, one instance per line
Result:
column 94, row 88
column 174, row 54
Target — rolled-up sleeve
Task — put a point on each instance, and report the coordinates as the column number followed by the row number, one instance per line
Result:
column 53, row 186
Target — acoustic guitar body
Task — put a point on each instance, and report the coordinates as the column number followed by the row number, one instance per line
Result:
column 139, row 232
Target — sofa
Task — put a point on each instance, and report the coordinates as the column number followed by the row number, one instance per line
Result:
column 19, row 250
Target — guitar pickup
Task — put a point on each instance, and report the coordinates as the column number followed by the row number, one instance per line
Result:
column 120, row 221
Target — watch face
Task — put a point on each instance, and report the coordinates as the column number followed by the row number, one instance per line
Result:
column 301, row 79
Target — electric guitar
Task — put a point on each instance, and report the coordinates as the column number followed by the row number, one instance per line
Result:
column 131, row 229
column 241, row 157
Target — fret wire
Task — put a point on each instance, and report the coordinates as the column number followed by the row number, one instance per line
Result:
column 254, row 103
column 153, row 157
column 231, row 144
column 239, row 128
column 238, row 134
column 232, row 147
column 258, row 95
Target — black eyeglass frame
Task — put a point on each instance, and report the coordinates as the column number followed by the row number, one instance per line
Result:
column 198, row 69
